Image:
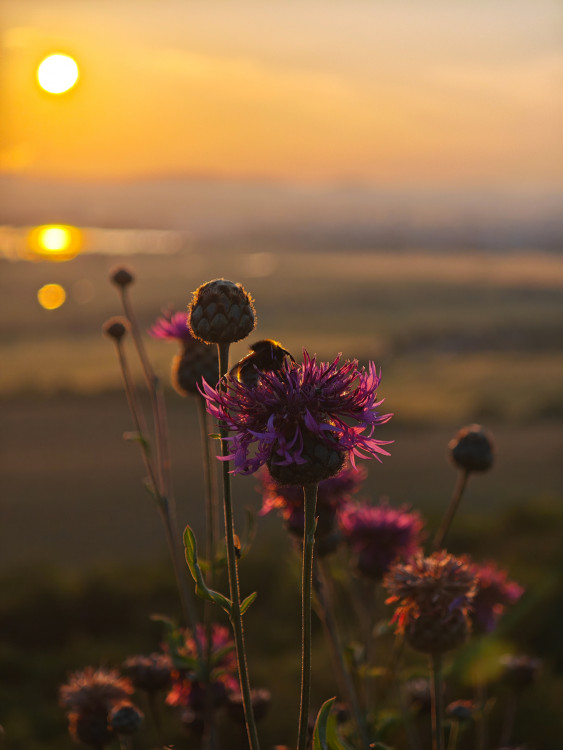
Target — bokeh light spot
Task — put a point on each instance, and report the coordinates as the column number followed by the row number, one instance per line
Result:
column 51, row 296
column 57, row 73
column 55, row 242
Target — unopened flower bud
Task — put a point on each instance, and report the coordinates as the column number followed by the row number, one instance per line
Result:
column 221, row 312
column 122, row 276
column 472, row 449
column 520, row 671
column 461, row 710
column 115, row 328
column 125, row 718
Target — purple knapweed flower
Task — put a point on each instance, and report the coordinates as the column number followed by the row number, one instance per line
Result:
column 172, row 325
column 195, row 361
column 379, row 535
column 494, row 592
column 303, row 420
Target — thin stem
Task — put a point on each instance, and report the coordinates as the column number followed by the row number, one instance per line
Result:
column 232, row 567
column 481, row 728
column 310, row 493
column 186, row 601
column 437, row 702
column 331, row 629
column 454, row 735
column 439, row 539
column 509, row 719
column 155, row 713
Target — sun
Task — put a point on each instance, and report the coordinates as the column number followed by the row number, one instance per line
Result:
column 57, row 73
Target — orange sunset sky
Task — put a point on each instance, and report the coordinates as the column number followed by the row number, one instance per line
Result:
column 419, row 92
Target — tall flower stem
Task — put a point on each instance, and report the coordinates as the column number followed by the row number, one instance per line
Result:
column 186, row 601
column 331, row 629
column 310, row 496
column 439, row 539
column 232, row 567
column 437, row 702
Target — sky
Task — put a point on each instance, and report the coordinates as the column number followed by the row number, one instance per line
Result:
column 391, row 93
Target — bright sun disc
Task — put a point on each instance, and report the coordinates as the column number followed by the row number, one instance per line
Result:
column 57, row 73
column 55, row 242
column 51, row 296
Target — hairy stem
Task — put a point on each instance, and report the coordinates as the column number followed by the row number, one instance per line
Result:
column 310, row 493
column 232, row 567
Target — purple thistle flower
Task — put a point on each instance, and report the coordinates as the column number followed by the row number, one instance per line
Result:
column 379, row 535
column 494, row 592
column 172, row 325
column 290, row 413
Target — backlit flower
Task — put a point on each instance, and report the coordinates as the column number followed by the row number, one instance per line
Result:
column 379, row 535
column 196, row 360
column 303, row 421
column 494, row 592
column 432, row 597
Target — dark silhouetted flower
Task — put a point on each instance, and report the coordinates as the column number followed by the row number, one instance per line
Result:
column 261, row 699
column 520, row 671
column 221, row 312
column 122, row 276
column 472, row 448
column 196, row 361
column 379, row 535
column 303, row 421
column 149, row 673
column 125, row 718
column 288, row 500
column 494, row 592
column 432, row 597
column 462, row 710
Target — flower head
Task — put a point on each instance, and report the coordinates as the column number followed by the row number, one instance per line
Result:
column 149, row 673
column 432, row 597
column 89, row 689
column 196, row 360
column 494, row 592
column 379, row 535
column 172, row 325
column 302, row 420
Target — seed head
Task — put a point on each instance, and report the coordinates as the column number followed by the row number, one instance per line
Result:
column 432, row 596
column 221, row 312
column 116, row 328
column 472, row 449
column 122, row 276
column 303, row 420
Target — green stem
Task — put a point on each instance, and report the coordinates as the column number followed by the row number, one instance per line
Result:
column 439, row 539
column 454, row 735
column 328, row 620
column 437, row 703
column 232, row 567
column 310, row 493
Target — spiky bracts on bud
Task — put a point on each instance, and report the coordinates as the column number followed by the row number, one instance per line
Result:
column 472, row 449
column 122, row 276
column 196, row 361
column 221, row 312
column 379, row 535
column 494, row 592
column 116, row 328
column 303, row 420
column 432, row 596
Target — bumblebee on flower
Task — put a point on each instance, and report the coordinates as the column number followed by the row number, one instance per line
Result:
column 303, row 420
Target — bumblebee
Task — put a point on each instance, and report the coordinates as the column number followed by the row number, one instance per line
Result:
column 264, row 356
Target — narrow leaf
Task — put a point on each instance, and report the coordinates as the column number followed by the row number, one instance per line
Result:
column 325, row 735
column 201, row 588
column 245, row 604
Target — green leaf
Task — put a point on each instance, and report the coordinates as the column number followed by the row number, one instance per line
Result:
column 214, row 436
column 245, row 604
column 200, row 586
column 325, row 735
